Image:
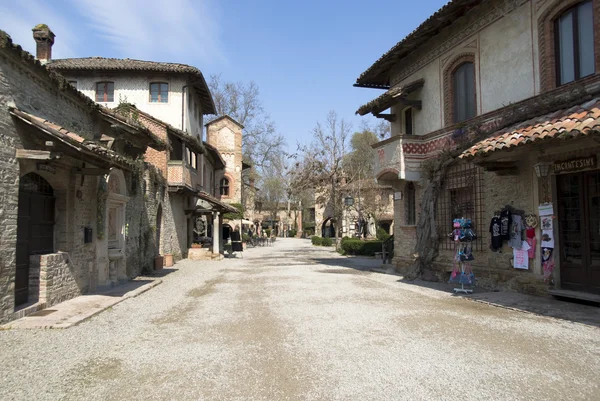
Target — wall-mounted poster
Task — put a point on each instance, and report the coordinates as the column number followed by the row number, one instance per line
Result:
column 547, row 239
column 546, row 222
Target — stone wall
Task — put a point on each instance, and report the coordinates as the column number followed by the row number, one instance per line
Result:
column 57, row 277
column 27, row 86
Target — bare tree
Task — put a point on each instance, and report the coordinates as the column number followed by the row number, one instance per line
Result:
column 321, row 167
column 261, row 142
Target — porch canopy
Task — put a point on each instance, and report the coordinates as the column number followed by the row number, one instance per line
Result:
column 393, row 96
column 207, row 204
column 578, row 121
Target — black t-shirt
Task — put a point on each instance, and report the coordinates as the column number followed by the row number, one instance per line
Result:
column 496, row 231
column 505, row 222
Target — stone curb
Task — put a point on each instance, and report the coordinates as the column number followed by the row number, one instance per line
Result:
column 130, row 294
column 86, row 316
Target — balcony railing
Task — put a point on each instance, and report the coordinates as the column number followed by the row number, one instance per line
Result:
column 183, row 175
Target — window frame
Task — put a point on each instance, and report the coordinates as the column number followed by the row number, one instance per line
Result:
column 105, row 92
column 159, row 98
column 573, row 9
column 449, row 71
column 456, row 99
column 547, row 46
column 224, row 184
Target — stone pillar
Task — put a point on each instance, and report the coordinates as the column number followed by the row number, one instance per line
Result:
column 217, row 229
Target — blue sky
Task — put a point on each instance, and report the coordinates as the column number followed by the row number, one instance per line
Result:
column 304, row 55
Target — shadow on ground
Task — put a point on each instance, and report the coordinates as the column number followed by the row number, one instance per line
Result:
column 588, row 314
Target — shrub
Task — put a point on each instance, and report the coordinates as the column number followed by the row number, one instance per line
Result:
column 353, row 246
column 316, row 240
column 268, row 232
column 292, row 233
column 327, row 241
column 245, row 237
column 382, row 235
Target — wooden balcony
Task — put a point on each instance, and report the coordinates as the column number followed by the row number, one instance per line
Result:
column 182, row 175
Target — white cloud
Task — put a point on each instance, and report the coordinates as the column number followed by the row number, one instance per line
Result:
column 159, row 30
column 18, row 17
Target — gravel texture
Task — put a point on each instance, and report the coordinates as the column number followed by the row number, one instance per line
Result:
column 297, row 322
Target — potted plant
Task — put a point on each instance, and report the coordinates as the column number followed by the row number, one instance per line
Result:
column 168, row 260
column 196, row 245
column 158, row 262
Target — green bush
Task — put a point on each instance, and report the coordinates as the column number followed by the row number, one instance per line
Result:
column 245, row 237
column 268, row 232
column 351, row 246
column 327, row 241
column 292, row 233
column 316, row 240
column 382, row 235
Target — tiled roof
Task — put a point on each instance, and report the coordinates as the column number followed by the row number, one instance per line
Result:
column 126, row 64
column 377, row 76
column 72, row 140
column 388, row 99
column 577, row 121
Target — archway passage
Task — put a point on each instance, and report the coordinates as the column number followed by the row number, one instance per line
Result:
column 35, row 228
column 328, row 228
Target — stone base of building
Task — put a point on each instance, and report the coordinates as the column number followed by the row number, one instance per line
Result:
column 203, row 254
column 488, row 278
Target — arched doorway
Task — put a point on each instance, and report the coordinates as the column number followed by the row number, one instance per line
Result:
column 328, row 229
column 115, row 226
column 35, row 228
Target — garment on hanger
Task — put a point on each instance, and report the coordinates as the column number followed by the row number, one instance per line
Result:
column 496, row 233
column 515, row 232
column 505, row 222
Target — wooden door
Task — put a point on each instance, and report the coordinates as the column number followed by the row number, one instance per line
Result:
column 35, row 229
column 579, row 228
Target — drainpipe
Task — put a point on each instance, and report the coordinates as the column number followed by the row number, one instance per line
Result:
column 183, row 93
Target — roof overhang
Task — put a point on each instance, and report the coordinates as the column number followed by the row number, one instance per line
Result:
column 575, row 122
column 392, row 97
column 72, row 144
column 378, row 75
column 219, row 162
column 207, row 202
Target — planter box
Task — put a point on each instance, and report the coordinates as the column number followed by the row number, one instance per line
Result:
column 168, row 260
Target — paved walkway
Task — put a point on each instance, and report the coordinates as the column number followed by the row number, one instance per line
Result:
column 297, row 322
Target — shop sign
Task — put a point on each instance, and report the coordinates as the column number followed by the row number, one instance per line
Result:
column 575, row 164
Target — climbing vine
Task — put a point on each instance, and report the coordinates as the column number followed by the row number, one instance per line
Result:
column 101, row 208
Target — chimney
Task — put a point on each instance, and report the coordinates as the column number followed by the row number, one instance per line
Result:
column 44, row 39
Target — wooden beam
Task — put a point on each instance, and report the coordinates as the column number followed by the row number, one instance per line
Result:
column 417, row 104
column 90, row 171
column 387, row 117
column 37, row 154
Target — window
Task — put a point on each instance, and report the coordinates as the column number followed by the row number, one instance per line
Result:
column 574, row 43
column 411, row 212
column 463, row 90
column 105, row 92
column 194, row 161
column 159, row 92
column 224, row 187
column 408, row 121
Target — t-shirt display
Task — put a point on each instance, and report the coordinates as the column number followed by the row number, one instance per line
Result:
column 505, row 222
column 496, row 233
column 516, row 227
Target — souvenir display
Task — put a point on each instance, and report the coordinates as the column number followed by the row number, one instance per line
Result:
column 462, row 273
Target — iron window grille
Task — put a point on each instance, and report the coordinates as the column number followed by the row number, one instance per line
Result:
column 462, row 196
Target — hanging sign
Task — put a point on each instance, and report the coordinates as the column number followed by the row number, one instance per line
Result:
column 575, row 164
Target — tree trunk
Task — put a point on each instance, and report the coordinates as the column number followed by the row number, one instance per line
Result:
column 427, row 246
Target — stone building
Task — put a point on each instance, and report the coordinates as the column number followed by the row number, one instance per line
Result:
column 513, row 85
column 171, row 101
column 77, row 216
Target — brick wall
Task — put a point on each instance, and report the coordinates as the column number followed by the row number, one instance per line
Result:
column 226, row 136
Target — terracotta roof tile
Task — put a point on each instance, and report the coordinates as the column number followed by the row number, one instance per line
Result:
column 580, row 120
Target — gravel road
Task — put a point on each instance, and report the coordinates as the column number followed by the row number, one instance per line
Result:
column 296, row 322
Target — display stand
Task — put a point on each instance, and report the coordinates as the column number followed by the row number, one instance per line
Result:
column 462, row 273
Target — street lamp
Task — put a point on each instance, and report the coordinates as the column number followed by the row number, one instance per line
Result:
column 349, row 201
column 542, row 169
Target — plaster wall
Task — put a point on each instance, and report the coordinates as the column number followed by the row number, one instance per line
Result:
column 135, row 89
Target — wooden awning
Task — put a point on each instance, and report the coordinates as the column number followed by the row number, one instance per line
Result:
column 207, row 203
column 393, row 96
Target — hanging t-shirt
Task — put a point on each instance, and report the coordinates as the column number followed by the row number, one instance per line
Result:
column 496, row 233
column 515, row 232
column 505, row 221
